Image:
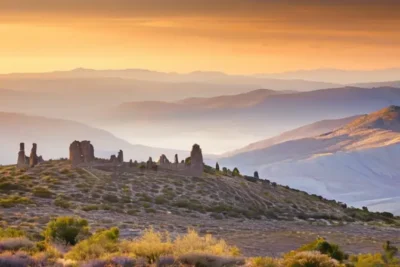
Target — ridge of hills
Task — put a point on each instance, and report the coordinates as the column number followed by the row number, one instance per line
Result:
column 361, row 155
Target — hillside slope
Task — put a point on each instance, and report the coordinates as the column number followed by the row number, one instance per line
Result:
column 355, row 163
column 310, row 130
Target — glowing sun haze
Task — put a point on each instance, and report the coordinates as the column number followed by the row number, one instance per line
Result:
column 235, row 36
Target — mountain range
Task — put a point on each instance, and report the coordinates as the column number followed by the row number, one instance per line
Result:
column 355, row 163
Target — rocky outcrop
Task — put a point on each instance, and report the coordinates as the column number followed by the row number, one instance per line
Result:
column 75, row 153
column 149, row 164
column 163, row 160
column 21, row 162
column 81, row 152
column 33, row 158
column 87, row 151
column 196, row 161
column 120, row 157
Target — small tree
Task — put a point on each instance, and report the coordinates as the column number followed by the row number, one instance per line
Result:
column 217, row 167
column 236, row 172
column 365, row 209
column 256, row 175
column 188, row 160
column 66, row 230
column 225, row 171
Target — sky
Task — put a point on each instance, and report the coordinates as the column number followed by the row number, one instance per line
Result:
column 234, row 36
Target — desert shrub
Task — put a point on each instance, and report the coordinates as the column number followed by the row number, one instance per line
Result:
column 236, row 172
column 7, row 186
column 263, row 262
column 15, row 244
column 10, row 233
column 209, row 260
column 11, row 201
column 67, row 230
column 99, row 244
column 192, row 242
column 152, row 245
column 324, row 247
column 90, row 207
column 42, row 192
column 62, row 202
column 368, row 260
column 390, row 253
column 309, row 259
column 111, row 198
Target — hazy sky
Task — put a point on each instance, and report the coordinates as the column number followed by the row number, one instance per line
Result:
column 235, row 36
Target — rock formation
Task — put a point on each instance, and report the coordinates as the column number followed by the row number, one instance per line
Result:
column 33, row 158
column 131, row 165
column 176, row 159
column 149, row 164
column 120, row 157
column 81, row 152
column 196, row 161
column 75, row 153
column 21, row 163
column 87, row 151
column 113, row 158
column 163, row 160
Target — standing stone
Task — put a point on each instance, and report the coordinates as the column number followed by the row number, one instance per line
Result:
column 131, row 165
column 120, row 156
column 21, row 163
column 75, row 153
column 113, row 158
column 33, row 158
column 196, row 161
column 176, row 159
column 87, row 151
column 149, row 164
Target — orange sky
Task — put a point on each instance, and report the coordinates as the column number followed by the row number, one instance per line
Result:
column 235, row 36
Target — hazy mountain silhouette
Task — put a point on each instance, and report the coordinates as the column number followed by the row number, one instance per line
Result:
column 54, row 136
column 356, row 163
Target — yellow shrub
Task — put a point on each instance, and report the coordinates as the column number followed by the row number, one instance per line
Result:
column 264, row 262
column 151, row 246
column 309, row 259
column 368, row 260
column 192, row 242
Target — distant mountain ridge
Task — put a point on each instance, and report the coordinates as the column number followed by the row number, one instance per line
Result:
column 356, row 163
column 54, row 136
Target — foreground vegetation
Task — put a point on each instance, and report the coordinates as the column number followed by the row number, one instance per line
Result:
column 67, row 241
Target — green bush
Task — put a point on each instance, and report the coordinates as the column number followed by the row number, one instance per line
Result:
column 12, row 201
column 42, row 192
column 11, row 233
column 67, row 230
column 99, row 244
column 309, row 259
column 322, row 246
column 62, row 202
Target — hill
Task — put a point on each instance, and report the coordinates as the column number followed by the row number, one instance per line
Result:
column 235, row 208
column 310, row 130
column 355, row 163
